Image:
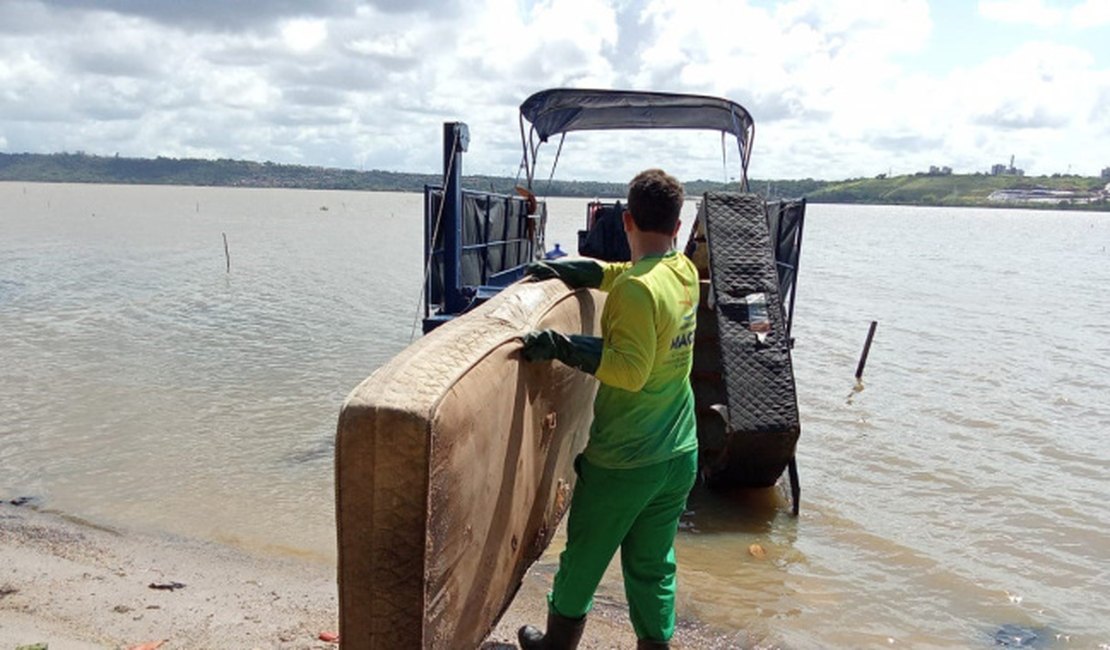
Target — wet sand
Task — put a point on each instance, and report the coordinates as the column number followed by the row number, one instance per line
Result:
column 74, row 585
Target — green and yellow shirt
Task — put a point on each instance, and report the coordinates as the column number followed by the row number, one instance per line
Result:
column 644, row 410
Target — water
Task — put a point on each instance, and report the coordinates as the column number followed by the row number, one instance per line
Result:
column 964, row 488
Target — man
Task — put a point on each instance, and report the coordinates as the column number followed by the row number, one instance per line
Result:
column 641, row 459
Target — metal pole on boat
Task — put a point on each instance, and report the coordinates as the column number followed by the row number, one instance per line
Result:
column 456, row 137
column 795, row 486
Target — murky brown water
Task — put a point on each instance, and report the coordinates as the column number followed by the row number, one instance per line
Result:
column 965, row 488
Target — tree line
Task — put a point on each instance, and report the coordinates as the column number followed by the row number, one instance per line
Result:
column 910, row 189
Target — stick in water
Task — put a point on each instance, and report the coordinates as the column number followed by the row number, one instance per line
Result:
column 863, row 362
column 227, row 256
column 866, row 350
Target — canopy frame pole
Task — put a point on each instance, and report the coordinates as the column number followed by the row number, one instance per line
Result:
column 524, row 145
column 724, row 157
column 547, row 190
column 745, row 147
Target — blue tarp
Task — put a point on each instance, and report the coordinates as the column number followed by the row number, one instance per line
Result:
column 561, row 110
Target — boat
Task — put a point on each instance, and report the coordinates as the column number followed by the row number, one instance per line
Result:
column 454, row 461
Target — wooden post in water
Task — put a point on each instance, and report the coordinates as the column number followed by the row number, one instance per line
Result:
column 866, row 350
column 227, row 256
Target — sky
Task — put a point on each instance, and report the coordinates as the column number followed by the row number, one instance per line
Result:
column 838, row 89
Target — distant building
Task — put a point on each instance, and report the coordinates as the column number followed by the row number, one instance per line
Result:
column 939, row 171
column 1106, row 174
column 1003, row 170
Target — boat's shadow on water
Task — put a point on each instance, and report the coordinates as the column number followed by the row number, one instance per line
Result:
column 752, row 511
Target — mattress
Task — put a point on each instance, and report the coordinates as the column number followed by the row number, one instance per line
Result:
column 453, row 467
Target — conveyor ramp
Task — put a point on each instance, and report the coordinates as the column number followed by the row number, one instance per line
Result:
column 743, row 378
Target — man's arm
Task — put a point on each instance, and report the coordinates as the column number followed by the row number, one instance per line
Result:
column 579, row 272
column 610, row 271
column 628, row 352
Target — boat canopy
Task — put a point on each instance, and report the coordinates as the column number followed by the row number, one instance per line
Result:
column 558, row 111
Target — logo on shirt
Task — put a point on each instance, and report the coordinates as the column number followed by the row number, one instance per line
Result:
column 682, row 340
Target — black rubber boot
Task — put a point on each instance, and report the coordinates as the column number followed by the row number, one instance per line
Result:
column 562, row 634
column 646, row 644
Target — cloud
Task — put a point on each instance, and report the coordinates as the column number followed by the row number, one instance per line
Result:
column 836, row 89
column 791, row 61
column 1039, row 85
column 1100, row 112
column 1087, row 14
column 303, row 35
column 906, row 141
column 1022, row 115
column 1031, row 12
column 1036, row 102
column 1091, row 14
column 215, row 15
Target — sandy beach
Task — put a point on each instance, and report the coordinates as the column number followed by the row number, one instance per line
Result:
column 75, row 586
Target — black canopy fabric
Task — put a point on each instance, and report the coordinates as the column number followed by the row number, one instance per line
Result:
column 561, row 110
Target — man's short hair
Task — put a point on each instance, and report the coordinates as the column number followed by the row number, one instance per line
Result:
column 655, row 201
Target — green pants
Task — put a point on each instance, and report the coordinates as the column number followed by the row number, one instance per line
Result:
column 636, row 510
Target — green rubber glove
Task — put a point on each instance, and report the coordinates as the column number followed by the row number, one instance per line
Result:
column 578, row 273
column 581, row 352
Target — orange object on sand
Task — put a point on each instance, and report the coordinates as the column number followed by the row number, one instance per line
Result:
column 149, row 645
column 329, row 637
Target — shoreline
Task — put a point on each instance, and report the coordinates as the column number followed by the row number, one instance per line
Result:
column 75, row 585
column 1086, row 201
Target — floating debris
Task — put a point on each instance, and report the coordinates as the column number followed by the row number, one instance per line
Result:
column 757, row 551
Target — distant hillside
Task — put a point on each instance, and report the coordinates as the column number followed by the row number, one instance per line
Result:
column 918, row 189
column 83, row 168
column 961, row 190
